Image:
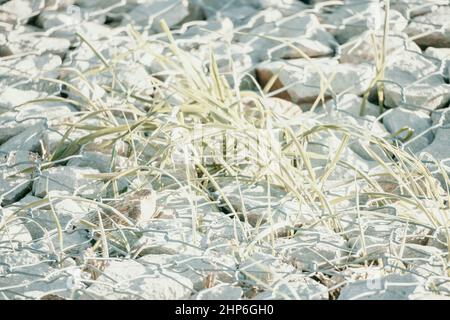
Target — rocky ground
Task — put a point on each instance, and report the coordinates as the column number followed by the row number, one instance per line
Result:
column 203, row 149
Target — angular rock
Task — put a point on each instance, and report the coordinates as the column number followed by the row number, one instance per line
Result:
column 443, row 57
column 390, row 287
column 24, row 276
column 437, row 149
column 305, row 33
column 295, row 287
column 434, row 27
column 203, row 270
column 20, row 11
column 20, row 43
column 361, row 48
column 130, row 280
column 265, row 268
column 355, row 17
column 411, row 9
column 220, row 292
column 312, row 250
column 398, row 118
column 12, row 97
column 303, row 82
column 70, row 179
column 23, row 72
column 167, row 237
column 148, row 15
column 414, row 80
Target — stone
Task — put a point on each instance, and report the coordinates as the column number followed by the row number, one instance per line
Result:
column 311, row 250
column 437, row 148
column 203, row 270
column 220, row 292
column 190, row 209
column 20, row 43
column 442, row 55
column 13, row 184
column 204, row 32
column 70, row 179
column 45, row 114
column 295, row 287
column 148, row 15
column 14, row 234
column 420, row 122
column 355, row 17
column 413, row 80
column 411, row 9
column 24, row 72
column 432, row 27
column 24, row 276
column 28, row 140
column 100, row 161
column 166, row 236
column 304, row 32
column 130, row 280
column 12, row 97
column 264, row 268
column 390, row 287
column 21, row 10
column 361, row 48
column 350, row 104
column 303, row 82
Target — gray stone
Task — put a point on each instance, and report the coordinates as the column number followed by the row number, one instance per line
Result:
column 438, row 148
column 398, row 118
column 130, row 280
column 70, row 179
column 295, row 287
column 305, row 33
column 264, row 268
column 361, row 48
column 355, row 17
column 390, row 287
column 167, row 236
column 443, row 56
column 414, row 80
column 20, row 11
column 12, row 97
column 434, row 27
column 411, row 9
column 310, row 249
column 351, row 104
column 20, row 43
column 148, row 15
column 28, row 140
column 14, row 234
column 23, row 72
column 199, row 268
column 27, row 277
column 220, row 292
column 303, row 82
